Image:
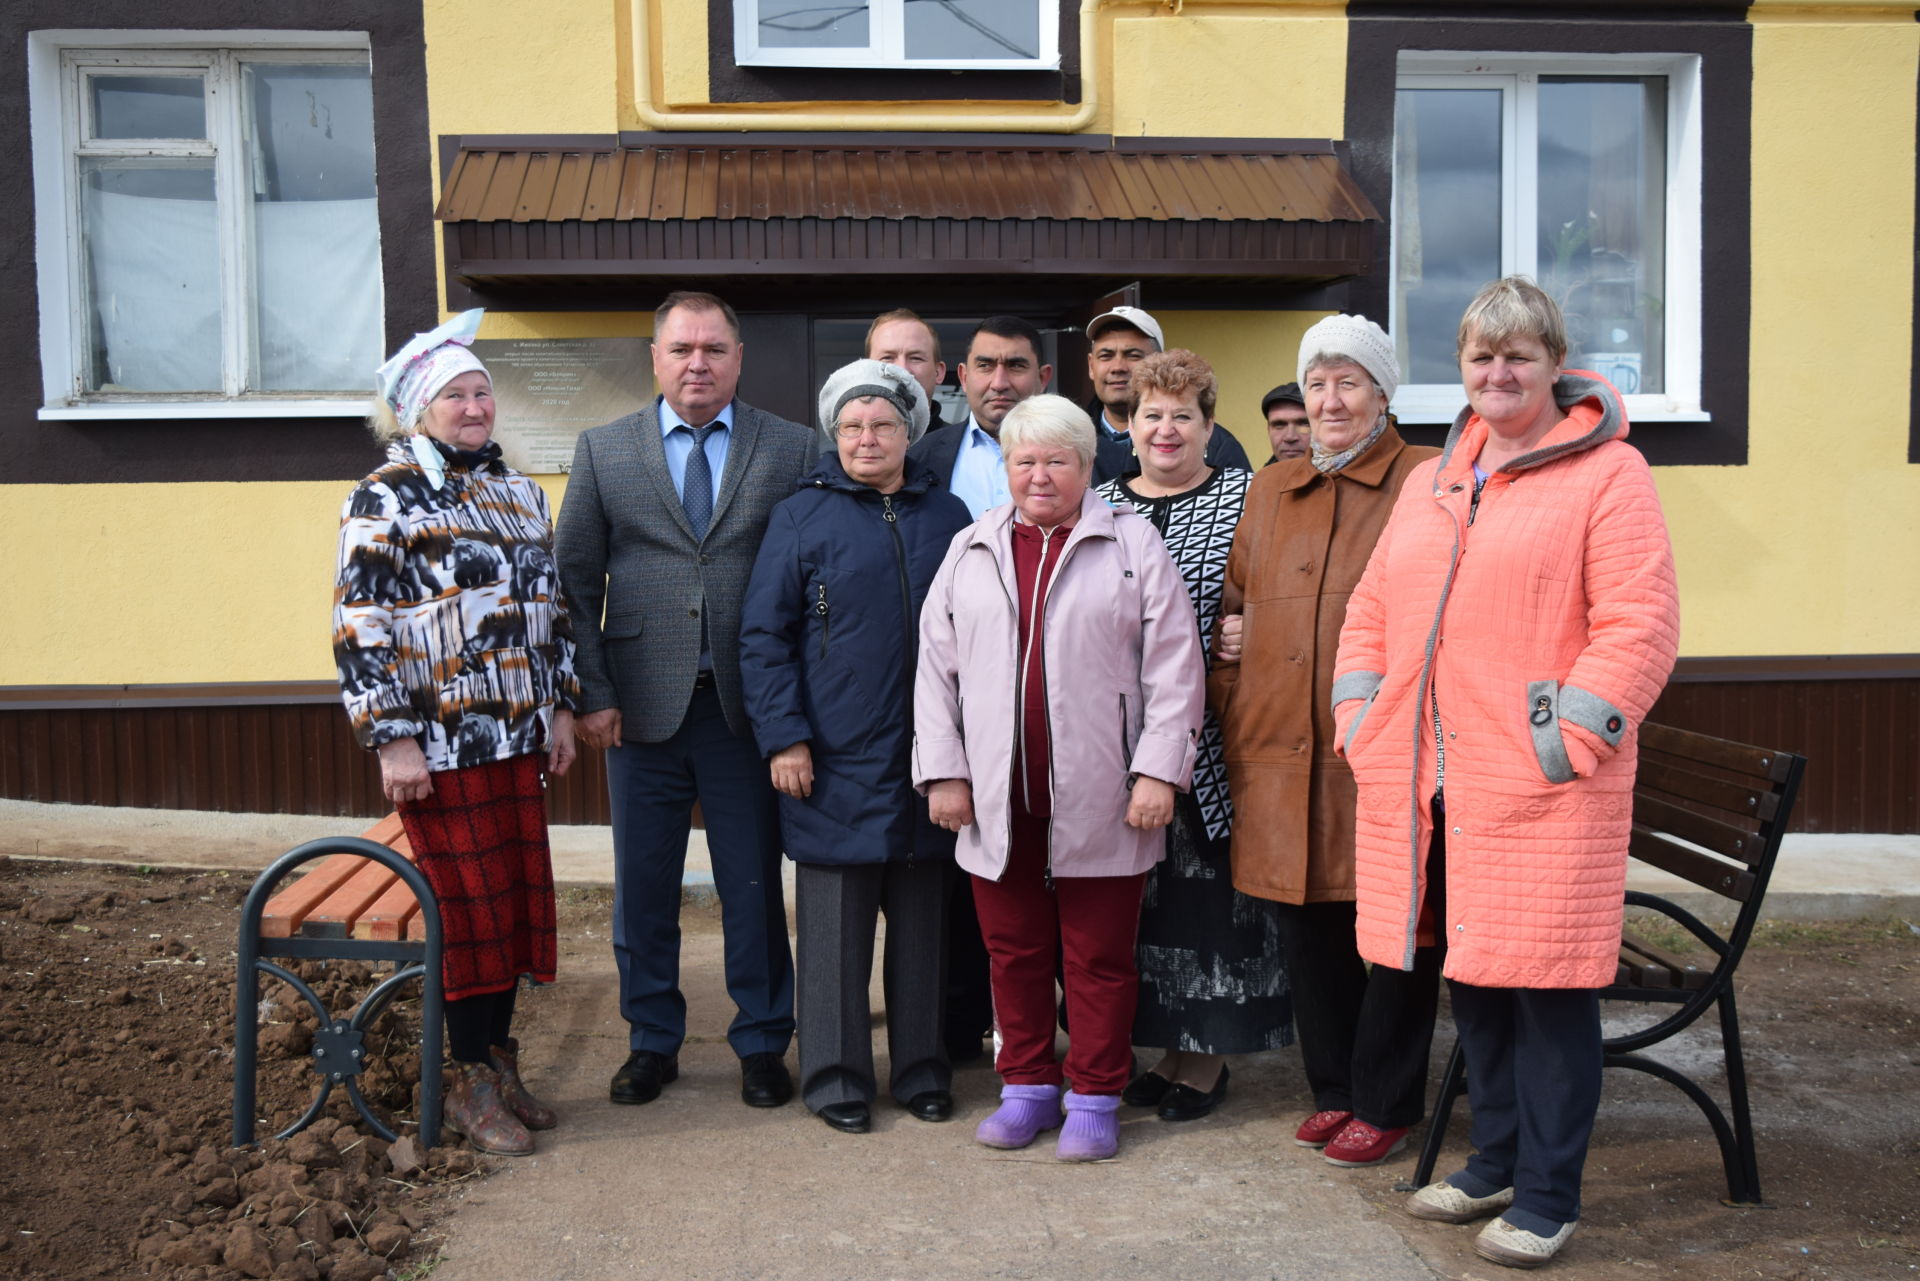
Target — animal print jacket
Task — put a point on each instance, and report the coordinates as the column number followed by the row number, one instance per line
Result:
column 449, row 624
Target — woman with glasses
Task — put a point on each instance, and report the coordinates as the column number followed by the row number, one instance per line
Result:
column 828, row 646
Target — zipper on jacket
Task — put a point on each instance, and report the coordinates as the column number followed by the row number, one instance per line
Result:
column 826, row 622
column 1046, row 708
column 1429, row 687
column 892, row 517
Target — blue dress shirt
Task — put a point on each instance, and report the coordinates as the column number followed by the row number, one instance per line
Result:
column 679, row 444
column 979, row 471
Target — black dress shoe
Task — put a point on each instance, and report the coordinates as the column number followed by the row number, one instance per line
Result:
column 848, row 1118
column 1145, row 1090
column 641, row 1076
column 764, row 1082
column 1184, row 1103
column 931, row 1105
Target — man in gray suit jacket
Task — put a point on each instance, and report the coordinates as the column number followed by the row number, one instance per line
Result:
column 663, row 517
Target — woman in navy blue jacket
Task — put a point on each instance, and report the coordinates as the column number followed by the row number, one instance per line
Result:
column 828, row 645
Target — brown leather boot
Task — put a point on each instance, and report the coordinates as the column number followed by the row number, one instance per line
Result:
column 533, row 1114
column 474, row 1108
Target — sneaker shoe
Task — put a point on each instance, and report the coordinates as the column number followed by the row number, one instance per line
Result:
column 1092, row 1131
column 1361, row 1144
column 1444, row 1203
column 1515, row 1247
column 1318, row 1129
column 1025, row 1110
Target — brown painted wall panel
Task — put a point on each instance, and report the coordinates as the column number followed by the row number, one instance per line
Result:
column 1861, row 736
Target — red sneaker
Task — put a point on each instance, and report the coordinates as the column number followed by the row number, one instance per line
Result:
column 1316, row 1130
column 1361, row 1144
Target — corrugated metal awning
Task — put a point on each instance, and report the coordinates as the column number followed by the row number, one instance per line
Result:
column 679, row 207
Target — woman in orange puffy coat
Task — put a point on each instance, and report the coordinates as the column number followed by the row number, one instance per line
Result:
column 1515, row 624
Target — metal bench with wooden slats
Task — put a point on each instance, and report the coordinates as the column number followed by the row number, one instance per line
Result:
column 364, row 901
column 1713, row 813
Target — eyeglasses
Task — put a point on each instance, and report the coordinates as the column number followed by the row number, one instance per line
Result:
column 881, row 430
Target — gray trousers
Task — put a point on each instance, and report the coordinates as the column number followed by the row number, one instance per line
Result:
column 838, row 909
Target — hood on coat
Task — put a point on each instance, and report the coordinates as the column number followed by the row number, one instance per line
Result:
column 829, row 474
column 1595, row 415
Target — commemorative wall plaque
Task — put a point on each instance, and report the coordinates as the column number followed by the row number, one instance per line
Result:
column 547, row 391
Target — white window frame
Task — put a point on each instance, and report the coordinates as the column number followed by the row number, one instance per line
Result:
column 887, row 44
column 56, row 62
column 1520, row 74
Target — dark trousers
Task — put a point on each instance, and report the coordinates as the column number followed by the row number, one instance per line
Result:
column 838, row 908
column 1365, row 1036
column 1091, row 923
column 1533, row 1078
column 969, row 973
column 652, row 787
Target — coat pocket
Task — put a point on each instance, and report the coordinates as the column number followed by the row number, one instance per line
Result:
column 1543, row 725
column 1359, row 718
column 824, row 613
column 622, row 625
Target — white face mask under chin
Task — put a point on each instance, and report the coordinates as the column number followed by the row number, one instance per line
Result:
column 429, row 459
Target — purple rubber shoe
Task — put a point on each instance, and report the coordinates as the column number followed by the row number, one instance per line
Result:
column 1092, row 1131
column 1025, row 1110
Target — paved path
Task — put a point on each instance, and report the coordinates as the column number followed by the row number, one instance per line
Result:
column 696, row 1185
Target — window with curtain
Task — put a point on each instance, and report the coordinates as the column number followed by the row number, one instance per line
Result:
column 1578, row 173
column 223, row 236
column 934, row 34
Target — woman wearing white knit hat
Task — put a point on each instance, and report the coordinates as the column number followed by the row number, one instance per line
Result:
column 1309, row 528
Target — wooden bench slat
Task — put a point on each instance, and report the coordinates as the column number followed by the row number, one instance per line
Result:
column 1756, row 762
column 1726, row 839
column 1709, row 873
column 286, row 911
column 334, row 916
column 1680, row 972
column 1756, row 803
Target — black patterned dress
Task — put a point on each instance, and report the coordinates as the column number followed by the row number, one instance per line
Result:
column 1211, row 976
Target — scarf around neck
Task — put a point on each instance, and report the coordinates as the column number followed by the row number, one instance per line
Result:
column 1328, row 462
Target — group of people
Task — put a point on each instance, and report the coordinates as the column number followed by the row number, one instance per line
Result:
column 1122, row 736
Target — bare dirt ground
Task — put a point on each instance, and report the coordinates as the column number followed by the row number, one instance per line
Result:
column 115, row 1067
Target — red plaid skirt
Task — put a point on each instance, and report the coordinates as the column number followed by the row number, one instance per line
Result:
column 481, row 841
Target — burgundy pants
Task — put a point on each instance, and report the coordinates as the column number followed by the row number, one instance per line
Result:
column 1091, row 923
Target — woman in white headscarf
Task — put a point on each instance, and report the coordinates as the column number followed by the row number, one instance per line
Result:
column 456, row 665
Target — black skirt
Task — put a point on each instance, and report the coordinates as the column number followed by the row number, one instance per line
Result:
column 1212, row 978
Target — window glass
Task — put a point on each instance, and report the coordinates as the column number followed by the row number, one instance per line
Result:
column 148, row 106
column 1602, row 221
column 152, row 267
column 811, row 24
column 1447, row 225
column 316, row 231
column 972, row 28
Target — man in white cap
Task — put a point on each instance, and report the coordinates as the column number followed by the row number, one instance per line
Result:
column 1121, row 338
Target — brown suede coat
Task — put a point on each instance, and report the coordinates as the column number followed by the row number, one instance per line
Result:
column 1298, row 554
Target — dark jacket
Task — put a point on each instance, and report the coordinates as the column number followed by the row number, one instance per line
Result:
column 829, row 640
column 1113, row 455
column 938, row 449
column 638, row 581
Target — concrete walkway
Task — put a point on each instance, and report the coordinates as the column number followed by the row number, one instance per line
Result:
column 1818, row 877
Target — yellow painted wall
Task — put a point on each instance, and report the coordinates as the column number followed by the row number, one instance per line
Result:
column 1809, row 549
column 165, row 584
column 1211, row 75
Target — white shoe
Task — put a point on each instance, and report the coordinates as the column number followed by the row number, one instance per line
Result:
column 1515, row 1247
column 1444, row 1203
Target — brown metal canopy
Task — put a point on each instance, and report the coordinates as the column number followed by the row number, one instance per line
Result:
column 735, row 210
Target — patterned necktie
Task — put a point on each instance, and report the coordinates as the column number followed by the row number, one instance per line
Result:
column 696, row 488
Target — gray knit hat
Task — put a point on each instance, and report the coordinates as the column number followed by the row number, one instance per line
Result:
column 1357, row 339
column 873, row 378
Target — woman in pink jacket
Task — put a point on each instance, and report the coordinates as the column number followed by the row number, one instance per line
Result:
column 1056, row 710
column 1517, row 620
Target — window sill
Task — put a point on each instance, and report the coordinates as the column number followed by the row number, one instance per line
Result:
column 1428, row 405
column 172, row 410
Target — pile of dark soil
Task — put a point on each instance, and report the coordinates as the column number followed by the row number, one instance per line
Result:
column 116, row 1062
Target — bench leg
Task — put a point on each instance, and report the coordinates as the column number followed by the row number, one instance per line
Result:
column 1743, row 1183
column 1453, row 1084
